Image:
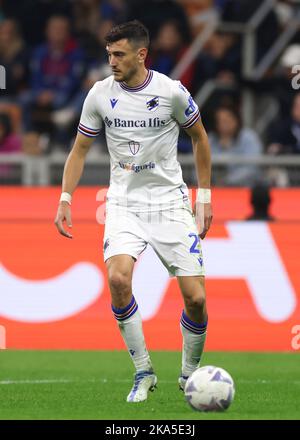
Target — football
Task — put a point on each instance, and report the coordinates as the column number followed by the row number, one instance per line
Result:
column 209, row 388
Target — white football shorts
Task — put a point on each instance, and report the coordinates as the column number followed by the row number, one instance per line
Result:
column 172, row 234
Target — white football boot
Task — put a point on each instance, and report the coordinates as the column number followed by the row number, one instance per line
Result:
column 144, row 381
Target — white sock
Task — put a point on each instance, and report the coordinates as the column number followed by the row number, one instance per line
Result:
column 194, row 336
column 130, row 324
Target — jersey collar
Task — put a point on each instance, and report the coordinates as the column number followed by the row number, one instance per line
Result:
column 141, row 86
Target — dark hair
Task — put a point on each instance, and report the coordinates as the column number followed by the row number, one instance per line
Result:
column 134, row 31
column 260, row 201
column 260, row 195
column 234, row 112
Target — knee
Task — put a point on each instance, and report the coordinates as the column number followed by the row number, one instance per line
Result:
column 196, row 302
column 119, row 282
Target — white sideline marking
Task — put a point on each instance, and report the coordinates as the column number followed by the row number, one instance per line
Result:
column 58, row 381
column 38, row 381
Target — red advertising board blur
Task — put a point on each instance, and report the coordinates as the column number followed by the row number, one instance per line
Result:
column 54, row 293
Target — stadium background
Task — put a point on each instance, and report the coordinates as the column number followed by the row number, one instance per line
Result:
column 238, row 58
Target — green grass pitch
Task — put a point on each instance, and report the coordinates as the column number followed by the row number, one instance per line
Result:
column 94, row 385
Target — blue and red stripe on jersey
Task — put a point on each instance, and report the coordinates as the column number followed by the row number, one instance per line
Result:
column 194, row 327
column 90, row 132
column 191, row 121
column 126, row 312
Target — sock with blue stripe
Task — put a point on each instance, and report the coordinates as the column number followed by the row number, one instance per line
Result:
column 194, row 336
column 130, row 324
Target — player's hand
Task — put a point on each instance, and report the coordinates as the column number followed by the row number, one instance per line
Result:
column 203, row 214
column 63, row 215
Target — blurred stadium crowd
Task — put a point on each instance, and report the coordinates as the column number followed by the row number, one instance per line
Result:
column 54, row 50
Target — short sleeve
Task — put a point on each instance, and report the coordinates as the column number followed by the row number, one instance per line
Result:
column 185, row 110
column 90, row 121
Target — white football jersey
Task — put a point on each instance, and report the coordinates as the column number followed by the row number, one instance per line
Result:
column 142, row 128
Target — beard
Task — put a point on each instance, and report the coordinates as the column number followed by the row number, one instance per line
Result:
column 125, row 77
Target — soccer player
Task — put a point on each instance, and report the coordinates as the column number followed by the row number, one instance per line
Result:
column 147, row 200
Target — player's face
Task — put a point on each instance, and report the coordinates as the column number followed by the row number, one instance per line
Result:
column 124, row 59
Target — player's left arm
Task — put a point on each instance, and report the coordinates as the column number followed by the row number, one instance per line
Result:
column 202, row 157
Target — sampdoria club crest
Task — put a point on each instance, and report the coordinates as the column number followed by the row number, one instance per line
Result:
column 152, row 103
column 134, row 147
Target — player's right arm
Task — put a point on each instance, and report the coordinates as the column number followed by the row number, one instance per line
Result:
column 72, row 172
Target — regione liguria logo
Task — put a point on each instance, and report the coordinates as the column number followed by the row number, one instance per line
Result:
column 134, row 147
column 152, row 103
